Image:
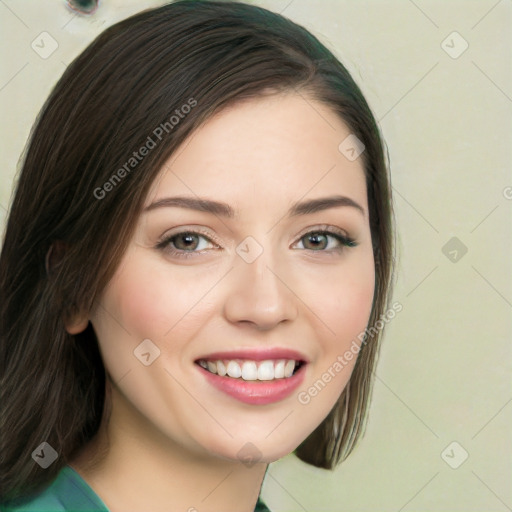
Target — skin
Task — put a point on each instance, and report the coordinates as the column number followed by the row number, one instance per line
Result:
column 174, row 439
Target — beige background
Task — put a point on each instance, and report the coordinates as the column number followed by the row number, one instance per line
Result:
column 445, row 369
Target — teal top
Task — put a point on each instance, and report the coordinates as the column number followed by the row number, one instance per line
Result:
column 69, row 492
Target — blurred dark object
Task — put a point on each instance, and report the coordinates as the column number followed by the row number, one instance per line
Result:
column 83, row 6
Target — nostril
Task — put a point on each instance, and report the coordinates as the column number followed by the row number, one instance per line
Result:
column 83, row 6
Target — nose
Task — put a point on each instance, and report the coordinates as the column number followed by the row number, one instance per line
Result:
column 259, row 295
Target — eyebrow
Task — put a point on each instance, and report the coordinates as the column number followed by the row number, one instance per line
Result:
column 223, row 209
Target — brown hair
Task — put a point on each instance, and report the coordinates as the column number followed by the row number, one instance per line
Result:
column 130, row 80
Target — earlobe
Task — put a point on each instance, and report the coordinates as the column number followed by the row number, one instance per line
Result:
column 76, row 325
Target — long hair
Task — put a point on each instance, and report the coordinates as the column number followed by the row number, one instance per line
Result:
column 188, row 59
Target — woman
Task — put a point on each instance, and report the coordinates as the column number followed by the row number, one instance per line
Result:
column 198, row 247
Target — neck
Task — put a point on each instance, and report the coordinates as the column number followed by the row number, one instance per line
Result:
column 133, row 467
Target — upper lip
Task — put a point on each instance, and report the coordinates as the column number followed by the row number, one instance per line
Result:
column 255, row 354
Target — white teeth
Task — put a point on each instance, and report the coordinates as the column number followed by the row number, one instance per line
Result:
column 279, row 370
column 221, row 368
column 233, row 369
column 252, row 370
column 266, row 371
column 288, row 369
column 249, row 370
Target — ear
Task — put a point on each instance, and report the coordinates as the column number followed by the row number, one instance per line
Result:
column 76, row 322
column 54, row 255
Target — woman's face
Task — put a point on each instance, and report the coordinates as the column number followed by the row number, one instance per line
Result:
column 263, row 290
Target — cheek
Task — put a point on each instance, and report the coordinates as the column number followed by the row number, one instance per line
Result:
column 345, row 303
column 354, row 306
column 146, row 302
column 131, row 310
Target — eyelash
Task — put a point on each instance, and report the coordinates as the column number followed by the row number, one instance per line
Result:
column 339, row 235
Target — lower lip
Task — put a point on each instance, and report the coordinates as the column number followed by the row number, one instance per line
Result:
column 256, row 392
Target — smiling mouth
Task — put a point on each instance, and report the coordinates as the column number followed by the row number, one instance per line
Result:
column 250, row 370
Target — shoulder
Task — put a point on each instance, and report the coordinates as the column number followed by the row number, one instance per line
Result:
column 68, row 492
column 43, row 502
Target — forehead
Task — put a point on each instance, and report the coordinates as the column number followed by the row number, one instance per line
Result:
column 264, row 150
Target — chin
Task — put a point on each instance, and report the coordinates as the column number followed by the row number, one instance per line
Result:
column 255, row 449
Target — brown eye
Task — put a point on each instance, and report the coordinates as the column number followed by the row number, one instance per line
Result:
column 315, row 241
column 319, row 241
column 185, row 241
column 186, row 244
